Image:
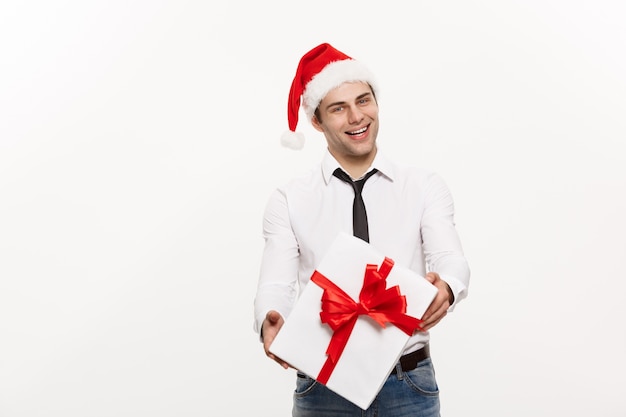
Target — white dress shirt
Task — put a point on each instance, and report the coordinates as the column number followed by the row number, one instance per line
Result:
column 410, row 216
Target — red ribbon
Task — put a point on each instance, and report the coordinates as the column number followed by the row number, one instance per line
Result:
column 340, row 311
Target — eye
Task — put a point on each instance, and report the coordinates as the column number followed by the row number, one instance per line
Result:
column 336, row 109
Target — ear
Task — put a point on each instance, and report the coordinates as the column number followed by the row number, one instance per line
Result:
column 316, row 124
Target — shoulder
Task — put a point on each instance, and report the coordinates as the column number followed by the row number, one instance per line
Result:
column 307, row 178
column 305, row 183
column 413, row 175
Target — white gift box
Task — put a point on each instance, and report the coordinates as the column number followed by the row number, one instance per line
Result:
column 371, row 351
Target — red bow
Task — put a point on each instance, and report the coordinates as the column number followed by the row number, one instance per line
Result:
column 340, row 311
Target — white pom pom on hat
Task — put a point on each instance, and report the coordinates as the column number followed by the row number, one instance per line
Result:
column 292, row 140
column 319, row 71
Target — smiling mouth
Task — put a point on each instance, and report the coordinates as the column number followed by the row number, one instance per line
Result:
column 358, row 132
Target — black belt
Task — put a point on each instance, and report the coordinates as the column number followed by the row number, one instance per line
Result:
column 409, row 361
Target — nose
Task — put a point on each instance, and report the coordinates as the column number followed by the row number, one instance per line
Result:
column 355, row 115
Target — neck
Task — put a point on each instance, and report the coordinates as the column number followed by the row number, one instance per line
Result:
column 355, row 166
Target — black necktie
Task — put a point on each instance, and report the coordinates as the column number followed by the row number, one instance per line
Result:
column 359, row 216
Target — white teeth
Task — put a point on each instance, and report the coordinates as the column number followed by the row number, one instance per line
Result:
column 359, row 131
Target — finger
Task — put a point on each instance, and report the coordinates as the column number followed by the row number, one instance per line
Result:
column 435, row 309
column 278, row 360
column 435, row 318
column 434, row 306
column 429, row 313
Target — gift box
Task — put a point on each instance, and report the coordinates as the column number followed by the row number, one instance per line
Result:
column 352, row 321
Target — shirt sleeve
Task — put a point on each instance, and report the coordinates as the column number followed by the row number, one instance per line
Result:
column 277, row 285
column 442, row 247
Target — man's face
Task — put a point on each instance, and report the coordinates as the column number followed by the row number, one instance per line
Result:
column 349, row 120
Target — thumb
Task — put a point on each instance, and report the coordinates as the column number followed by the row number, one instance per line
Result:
column 431, row 277
column 272, row 316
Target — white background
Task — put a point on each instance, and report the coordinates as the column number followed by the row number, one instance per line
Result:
column 139, row 142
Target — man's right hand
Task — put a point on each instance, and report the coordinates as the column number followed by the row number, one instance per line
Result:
column 271, row 325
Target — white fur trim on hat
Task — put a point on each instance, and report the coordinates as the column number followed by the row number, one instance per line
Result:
column 332, row 76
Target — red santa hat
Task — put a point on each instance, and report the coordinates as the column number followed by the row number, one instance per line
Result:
column 319, row 71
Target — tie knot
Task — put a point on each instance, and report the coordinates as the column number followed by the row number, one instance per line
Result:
column 358, row 184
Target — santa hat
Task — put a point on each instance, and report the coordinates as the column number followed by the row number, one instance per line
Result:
column 319, row 71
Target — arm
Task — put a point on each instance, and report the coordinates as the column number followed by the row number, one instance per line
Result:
column 276, row 291
column 443, row 252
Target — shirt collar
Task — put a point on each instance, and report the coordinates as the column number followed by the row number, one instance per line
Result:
column 381, row 163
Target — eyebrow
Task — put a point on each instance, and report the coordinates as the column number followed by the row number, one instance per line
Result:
column 338, row 103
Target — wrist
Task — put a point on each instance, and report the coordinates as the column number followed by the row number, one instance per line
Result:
column 450, row 294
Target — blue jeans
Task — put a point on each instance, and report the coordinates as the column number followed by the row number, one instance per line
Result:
column 405, row 394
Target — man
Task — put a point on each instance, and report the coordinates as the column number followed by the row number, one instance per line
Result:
column 409, row 217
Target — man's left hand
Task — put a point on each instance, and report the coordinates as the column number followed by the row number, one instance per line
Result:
column 439, row 306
